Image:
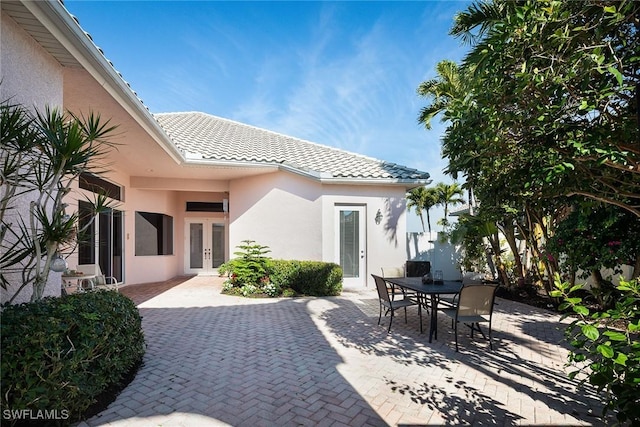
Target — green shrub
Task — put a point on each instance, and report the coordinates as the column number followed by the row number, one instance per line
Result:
column 252, row 273
column 607, row 346
column 288, row 293
column 313, row 278
column 251, row 266
column 61, row 353
column 224, row 269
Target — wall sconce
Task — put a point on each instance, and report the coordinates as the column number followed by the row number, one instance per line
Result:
column 378, row 218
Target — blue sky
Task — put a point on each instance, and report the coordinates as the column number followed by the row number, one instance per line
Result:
column 342, row 74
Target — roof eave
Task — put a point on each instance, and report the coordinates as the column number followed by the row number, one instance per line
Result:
column 322, row 177
column 247, row 164
column 231, row 164
column 406, row 183
column 55, row 18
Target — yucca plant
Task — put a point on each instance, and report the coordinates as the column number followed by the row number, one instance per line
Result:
column 41, row 156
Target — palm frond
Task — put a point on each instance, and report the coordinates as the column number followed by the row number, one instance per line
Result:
column 472, row 24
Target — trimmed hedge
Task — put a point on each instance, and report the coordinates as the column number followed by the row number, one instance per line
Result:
column 59, row 354
column 313, row 278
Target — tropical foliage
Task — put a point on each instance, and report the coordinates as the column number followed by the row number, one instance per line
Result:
column 543, row 125
column 422, row 199
column 448, row 195
column 542, row 116
column 595, row 237
column 253, row 273
column 606, row 347
column 42, row 155
column 250, row 266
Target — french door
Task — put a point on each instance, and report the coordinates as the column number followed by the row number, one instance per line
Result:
column 204, row 246
column 351, row 245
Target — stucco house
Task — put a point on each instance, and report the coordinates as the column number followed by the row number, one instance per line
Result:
column 192, row 186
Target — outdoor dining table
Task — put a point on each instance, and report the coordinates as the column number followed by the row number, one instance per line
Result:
column 432, row 290
column 82, row 282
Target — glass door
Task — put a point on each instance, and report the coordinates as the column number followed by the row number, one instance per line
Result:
column 204, row 246
column 100, row 240
column 110, row 243
column 351, row 244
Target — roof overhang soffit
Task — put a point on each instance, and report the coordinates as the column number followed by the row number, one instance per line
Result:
column 322, row 177
column 59, row 23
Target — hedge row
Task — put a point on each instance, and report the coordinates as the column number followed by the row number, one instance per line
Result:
column 59, row 354
column 313, row 278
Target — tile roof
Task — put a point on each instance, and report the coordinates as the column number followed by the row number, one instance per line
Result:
column 207, row 137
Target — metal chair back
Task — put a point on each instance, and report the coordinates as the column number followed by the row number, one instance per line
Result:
column 476, row 300
column 381, row 287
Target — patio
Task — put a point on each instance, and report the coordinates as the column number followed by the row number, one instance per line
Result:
column 214, row 359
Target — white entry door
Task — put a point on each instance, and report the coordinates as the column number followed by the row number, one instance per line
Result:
column 351, row 245
column 204, row 249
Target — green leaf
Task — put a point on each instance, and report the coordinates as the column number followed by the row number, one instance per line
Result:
column 610, row 9
column 575, row 288
column 591, row 332
column 564, row 306
column 616, row 73
column 615, row 335
column 606, row 351
column 621, row 359
column 581, row 310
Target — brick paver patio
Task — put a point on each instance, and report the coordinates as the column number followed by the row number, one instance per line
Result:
column 217, row 360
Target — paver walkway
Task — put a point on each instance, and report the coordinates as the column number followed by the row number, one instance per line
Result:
column 217, row 360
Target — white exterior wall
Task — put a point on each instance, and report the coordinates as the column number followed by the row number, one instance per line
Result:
column 280, row 210
column 384, row 241
column 34, row 79
column 441, row 254
column 296, row 218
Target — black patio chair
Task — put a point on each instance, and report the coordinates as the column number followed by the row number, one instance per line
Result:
column 475, row 306
column 391, row 305
column 396, row 290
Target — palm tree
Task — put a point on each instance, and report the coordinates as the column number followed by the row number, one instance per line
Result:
column 43, row 155
column 473, row 24
column 448, row 195
column 444, row 89
column 422, row 199
column 431, row 200
column 416, row 199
